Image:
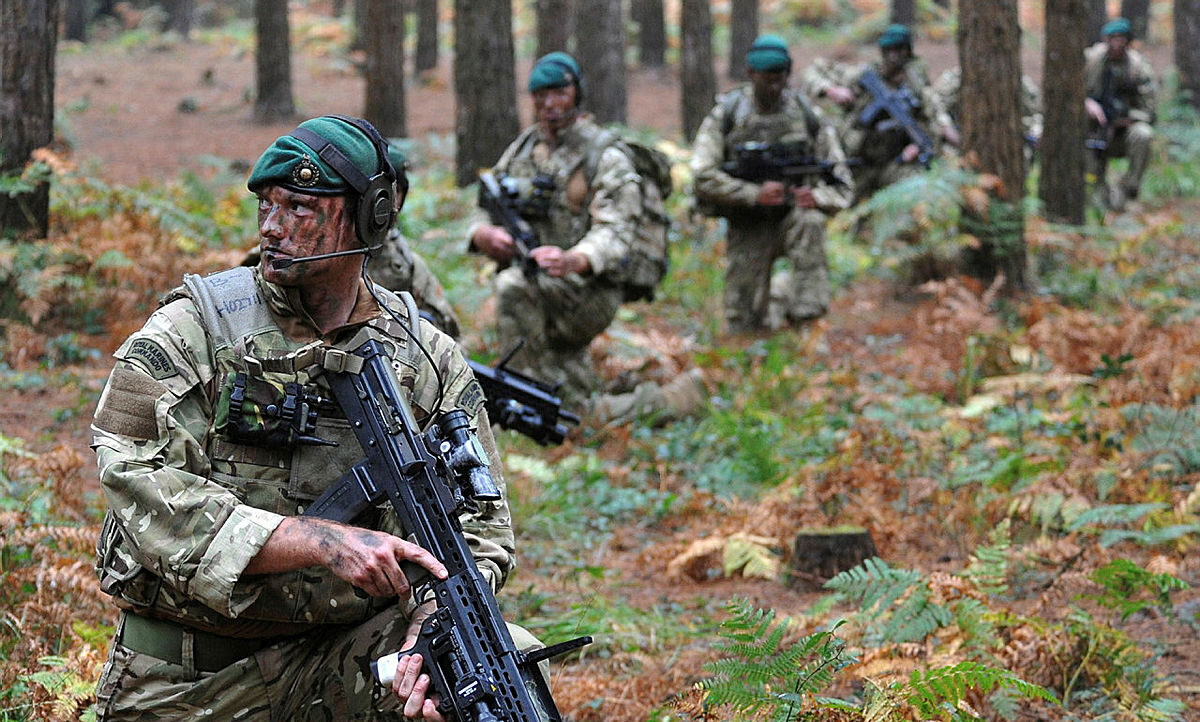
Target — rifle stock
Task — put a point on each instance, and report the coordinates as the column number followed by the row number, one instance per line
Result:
column 430, row 478
column 895, row 104
column 503, row 210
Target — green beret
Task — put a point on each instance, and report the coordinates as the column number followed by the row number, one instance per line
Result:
column 768, row 53
column 1119, row 26
column 895, row 35
column 554, row 70
column 292, row 164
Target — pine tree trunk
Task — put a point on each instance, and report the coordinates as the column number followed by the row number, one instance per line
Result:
column 28, row 39
column 652, row 32
column 699, row 82
column 384, row 45
column 485, row 91
column 1063, row 185
column 743, row 28
column 75, row 20
column 601, row 46
column 1138, row 14
column 179, row 16
column 989, row 42
column 904, row 12
column 553, row 25
column 273, row 62
column 427, row 36
column 1187, row 48
column 1097, row 15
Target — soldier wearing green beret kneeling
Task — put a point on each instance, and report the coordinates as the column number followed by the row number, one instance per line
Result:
column 233, row 605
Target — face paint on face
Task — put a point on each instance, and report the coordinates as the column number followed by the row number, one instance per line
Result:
column 768, row 86
column 1118, row 47
column 555, row 108
column 894, row 59
column 295, row 225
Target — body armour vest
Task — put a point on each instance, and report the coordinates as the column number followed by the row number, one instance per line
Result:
column 250, row 350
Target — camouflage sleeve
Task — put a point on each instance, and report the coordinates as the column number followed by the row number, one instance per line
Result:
column 710, row 183
column 1145, row 107
column 479, row 217
column 489, row 530
column 148, row 434
column 832, row 198
column 431, row 297
column 614, row 209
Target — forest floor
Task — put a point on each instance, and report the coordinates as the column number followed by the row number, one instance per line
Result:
column 146, row 113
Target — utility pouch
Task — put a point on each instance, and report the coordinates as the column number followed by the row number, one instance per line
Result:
column 121, row 576
column 259, row 412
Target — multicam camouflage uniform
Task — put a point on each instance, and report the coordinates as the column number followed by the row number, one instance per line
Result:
column 759, row 235
column 559, row 317
column 189, row 508
column 878, row 151
column 1134, row 86
column 397, row 268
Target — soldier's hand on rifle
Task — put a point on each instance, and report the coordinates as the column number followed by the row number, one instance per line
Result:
column 558, row 262
column 409, row 684
column 494, row 242
column 840, row 94
column 1095, row 111
column 910, row 153
column 772, row 193
column 951, row 135
column 803, row 197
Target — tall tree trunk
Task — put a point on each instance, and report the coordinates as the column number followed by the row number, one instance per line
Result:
column 1063, row 186
column 1138, row 13
column 1187, row 48
column 554, row 25
column 75, row 19
column 601, row 54
column 427, row 36
column 485, row 90
column 989, row 44
column 337, row 8
column 699, row 79
column 904, row 12
column 105, row 8
column 384, row 45
column 28, row 39
column 360, row 25
column 652, row 32
column 179, row 16
column 273, row 62
column 743, row 28
column 1097, row 15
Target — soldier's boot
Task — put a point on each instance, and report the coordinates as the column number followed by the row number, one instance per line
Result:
column 684, row 396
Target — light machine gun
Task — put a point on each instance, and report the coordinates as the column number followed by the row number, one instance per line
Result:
column 522, row 403
column 893, row 108
column 429, row 478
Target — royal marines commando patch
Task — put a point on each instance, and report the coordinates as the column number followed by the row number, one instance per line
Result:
column 152, row 356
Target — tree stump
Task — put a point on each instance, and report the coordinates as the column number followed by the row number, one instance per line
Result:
column 821, row 554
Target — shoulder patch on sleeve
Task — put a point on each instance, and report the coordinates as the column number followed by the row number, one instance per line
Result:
column 127, row 405
column 471, row 399
column 153, row 357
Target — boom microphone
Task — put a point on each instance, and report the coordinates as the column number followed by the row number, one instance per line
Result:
column 281, row 263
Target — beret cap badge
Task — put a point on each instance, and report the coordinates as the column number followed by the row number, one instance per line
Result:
column 306, row 173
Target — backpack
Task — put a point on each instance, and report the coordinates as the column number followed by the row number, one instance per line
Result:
column 648, row 259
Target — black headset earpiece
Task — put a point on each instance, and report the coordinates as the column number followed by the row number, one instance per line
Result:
column 376, row 210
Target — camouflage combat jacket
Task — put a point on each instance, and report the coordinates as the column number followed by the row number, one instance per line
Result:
column 595, row 216
column 1133, row 82
column 735, row 120
column 189, row 508
column 397, row 268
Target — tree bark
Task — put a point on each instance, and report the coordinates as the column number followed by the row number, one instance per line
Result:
column 904, row 12
column 485, row 91
column 1187, row 48
column 75, row 20
column 652, row 32
column 1138, row 14
column 1097, row 15
column 28, row 39
column 601, row 54
column 273, row 62
column 179, row 16
column 427, row 36
column 699, row 82
column 553, row 25
column 743, row 28
column 384, row 45
column 819, row 555
column 1063, row 186
column 989, row 44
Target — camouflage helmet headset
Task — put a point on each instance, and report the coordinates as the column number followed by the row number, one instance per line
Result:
column 375, row 195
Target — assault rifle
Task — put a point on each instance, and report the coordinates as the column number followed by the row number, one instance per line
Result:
column 897, row 106
column 503, row 206
column 1115, row 111
column 429, row 478
column 758, row 162
column 523, row 403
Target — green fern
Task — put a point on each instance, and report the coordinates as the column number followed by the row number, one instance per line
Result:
column 935, row 691
column 988, row 569
column 896, row 602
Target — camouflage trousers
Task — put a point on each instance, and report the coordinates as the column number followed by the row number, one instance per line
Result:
column 557, row 318
column 753, row 296
column 1133, row 143
column 319, row 677
column 871, row 178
